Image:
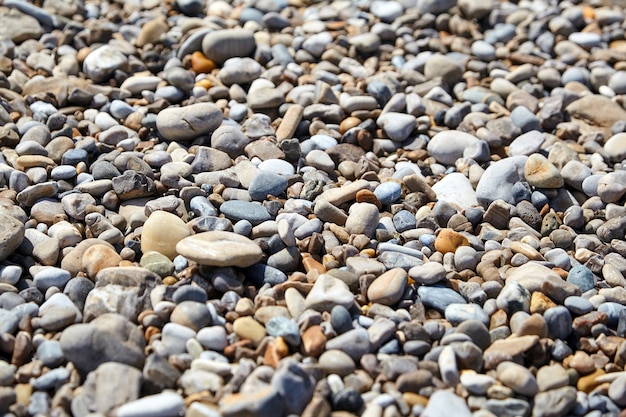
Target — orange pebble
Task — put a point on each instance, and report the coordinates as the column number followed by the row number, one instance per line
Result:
column 201, row 64
column 588, row 12
column 204, row 83
column 367, row 196
column 311, row 264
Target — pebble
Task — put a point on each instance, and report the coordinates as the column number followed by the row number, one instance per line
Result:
column 398, row 126
column 11, row 235
column 164, row 404
column 442, row 402
column 448, row 146
column 220, row 248
column 189, row 122
column 388, row 288
column 265, row 184
column 428, row 274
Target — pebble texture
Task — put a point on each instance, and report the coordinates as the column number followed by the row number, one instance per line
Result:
column 294, row 208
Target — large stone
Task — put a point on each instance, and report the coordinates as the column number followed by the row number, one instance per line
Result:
column 597, row 111
column 112, row 384
column 446, row 403
column 161, row 232
column 448, row 146
column 109, row 338
column 498, row 179
column 221, row 45
column 11, row 235
column 19, row 27
column 455, row 188
column 101, row 63
column 328, row 292
column 219, row 248
column 188, row 122
column 536, row 277
column 121, row 290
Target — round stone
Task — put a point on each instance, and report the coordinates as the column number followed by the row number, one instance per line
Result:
column 161, row 232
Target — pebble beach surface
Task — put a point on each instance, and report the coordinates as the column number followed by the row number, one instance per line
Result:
column 331, row 208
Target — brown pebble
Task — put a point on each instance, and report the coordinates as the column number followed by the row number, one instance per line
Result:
column 534, row 325
column 367, row 196
column 309, row 263
column 98, row 257
column 581, row 362
column 413, row 399
column 449, row 241
column 348, row 123
column 275, row 350
column 539, row 303
column 582, row 325
column 200, row 64
column 313, row 341
column 290, row 122
column 499, row 318
column 588, row 383
column 169, row 280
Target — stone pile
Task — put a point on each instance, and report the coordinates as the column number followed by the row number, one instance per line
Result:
column 331, row 208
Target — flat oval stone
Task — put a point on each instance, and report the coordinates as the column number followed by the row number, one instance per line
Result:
column 189, row 122
column 218, row 248
column 244, row 210
column 220, row 45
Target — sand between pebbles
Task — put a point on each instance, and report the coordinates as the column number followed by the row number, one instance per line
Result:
column 279, row 208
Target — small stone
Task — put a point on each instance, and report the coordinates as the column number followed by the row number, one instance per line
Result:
column 456, row 188
column 191, row 314
column 446, row 403
column 551, row 377
column 220, row 45
column 398, row 126
column 237, row 210
column 617, row 391
column 100, row 64
column 295, row 386
column 439, row 298
column 459, row 313
column 328, row 292
column 249, row 328
column 336, row 361
column 539, row 172
column 497, row 181
column 388, row 192
column 98, row 257
column 362, row 219
column 615, row 147
column 517, row 377
column 107, row 338
column 161, row 232
column 582, row 277
column 267, row 183
column 441, row 66
column 611, row 187
column 285, row 328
